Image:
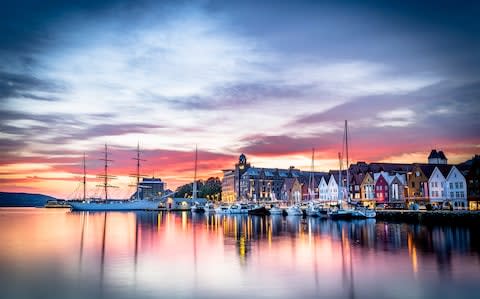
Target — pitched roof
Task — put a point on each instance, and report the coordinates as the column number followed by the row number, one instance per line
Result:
column 427, row 169
column 433, row 154
column 288, row 183
column 441, row 155
column 444, row 169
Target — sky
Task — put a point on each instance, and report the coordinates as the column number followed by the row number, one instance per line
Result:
column 271, row 79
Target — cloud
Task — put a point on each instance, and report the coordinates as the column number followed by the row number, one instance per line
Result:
column 27, row 86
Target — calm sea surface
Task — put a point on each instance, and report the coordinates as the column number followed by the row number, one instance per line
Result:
column 53, row 253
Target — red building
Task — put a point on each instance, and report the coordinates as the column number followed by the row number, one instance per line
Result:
column 381, row 188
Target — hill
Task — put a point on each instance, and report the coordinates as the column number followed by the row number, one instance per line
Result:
column 11, row 199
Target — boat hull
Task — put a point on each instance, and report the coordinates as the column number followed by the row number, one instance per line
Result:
column 341, row 215
column 128, row 205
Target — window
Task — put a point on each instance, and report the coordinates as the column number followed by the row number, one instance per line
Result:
column 413, row 184
column 456, row 185
column 457, row 194
column 451, row 185
column 460, row 184
column 451, row 194
column 442, row 184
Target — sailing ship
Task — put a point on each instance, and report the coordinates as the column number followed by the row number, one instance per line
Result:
column 113, row 205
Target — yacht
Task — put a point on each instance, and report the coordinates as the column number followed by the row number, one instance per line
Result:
column 197, row 208
column 363, row 212
column 209, row 207
column 340, row 213
column 274, row 210
column 222, row 209
column 313, row 210
column 294, row 210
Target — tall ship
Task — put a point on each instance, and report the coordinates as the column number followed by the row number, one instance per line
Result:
column 107, row 204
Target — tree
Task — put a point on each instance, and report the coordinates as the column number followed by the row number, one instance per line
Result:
column 211, row 189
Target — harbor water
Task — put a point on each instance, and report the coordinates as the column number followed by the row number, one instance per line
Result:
column 55, row 253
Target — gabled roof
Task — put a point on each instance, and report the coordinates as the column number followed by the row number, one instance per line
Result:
column 444, row 169
column 427, row 169
column 441, row 155
column 433, row 154
column 288, row 183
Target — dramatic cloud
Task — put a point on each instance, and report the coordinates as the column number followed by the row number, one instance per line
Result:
column 271, row 79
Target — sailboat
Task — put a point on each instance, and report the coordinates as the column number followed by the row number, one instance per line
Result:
column 114, row 205
column 196, row 206
column 343, row 193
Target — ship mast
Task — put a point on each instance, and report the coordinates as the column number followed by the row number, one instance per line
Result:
column 138, row 175
column 311, row 183
column 347, row 167
column 84, row 178
column 105, row 176
column 340, row 182
column 194, row 189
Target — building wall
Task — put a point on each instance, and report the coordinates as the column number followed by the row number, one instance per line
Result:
column 436, row 185
column 381, row 190
column 228, row 186
column 332, row 189
column 323, row 189
column 367, row 188
column 397, row 188
column 456, row 188
column 417, row 184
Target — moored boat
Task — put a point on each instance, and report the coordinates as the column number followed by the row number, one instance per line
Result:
column 363, row 213
column 313, row 210
column 274, row 210
column 340, row 214
column 222, row 209
column 197, row 208
column 294, row 210
column 209, row 207
column 114, row 205
column 258, row 210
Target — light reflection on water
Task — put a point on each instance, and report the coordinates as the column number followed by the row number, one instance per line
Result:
column 61, row 254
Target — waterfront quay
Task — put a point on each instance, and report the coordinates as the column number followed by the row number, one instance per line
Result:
column 430, row 217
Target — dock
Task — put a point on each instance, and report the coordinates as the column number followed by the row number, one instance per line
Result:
column 431, row 217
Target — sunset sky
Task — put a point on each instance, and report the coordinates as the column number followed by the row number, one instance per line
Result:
column 270, row 79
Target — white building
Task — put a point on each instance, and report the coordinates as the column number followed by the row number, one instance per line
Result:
column 323, row 189
column 456, row 189
column 436, row 185
column 332, row 193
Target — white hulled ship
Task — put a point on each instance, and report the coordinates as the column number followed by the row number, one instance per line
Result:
column 114, row 205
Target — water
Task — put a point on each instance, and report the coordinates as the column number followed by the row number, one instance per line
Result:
column 53, row 253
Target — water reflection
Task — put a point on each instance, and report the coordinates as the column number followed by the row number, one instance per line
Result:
column 152, row 255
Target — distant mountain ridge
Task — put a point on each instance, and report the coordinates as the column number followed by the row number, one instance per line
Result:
column 14, row 199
